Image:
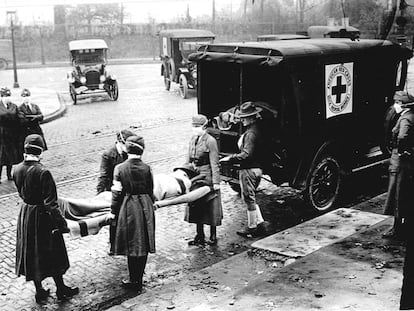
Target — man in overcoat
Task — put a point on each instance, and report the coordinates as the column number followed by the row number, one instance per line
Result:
column 10, row 151
column 30, row 117
column 115, row 155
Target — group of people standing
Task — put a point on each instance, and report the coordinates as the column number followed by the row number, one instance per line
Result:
column 40, row 248
column 16, row 122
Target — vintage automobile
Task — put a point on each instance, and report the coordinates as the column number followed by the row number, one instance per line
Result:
column 333, row 32
column 324, row 103
column 89, row 74
column 283, row 36
column 175, row 46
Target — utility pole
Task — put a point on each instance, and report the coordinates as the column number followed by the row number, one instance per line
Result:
column 213, row 16
column 12, row 15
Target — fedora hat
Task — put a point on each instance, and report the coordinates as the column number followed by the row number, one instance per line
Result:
column 248, row 109
column 188, row 169
column 404, row 97
column 5, row 91
column 25, row 93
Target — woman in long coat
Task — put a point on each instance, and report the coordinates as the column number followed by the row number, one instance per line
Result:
column 132, row 205
column 203, row 155
column 30, row 117
column 10, row 151
column 40, row 248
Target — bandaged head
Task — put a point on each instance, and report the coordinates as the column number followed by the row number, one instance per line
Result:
column 34, row 144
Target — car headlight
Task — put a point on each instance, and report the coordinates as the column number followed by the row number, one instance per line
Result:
column 102, row 78
column 194, row 74
column 82, row 80
column 113, row 77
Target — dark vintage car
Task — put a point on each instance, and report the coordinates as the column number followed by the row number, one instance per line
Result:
column 282, row 36
column 324, row 104
column 175, row 46
column 89, row 73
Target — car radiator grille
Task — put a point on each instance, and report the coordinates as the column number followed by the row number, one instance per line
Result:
column 92, row 78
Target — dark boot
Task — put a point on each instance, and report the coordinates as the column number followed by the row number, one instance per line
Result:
column 41, row 293
column 213, row 236
column 199, row 239
column 63, row 291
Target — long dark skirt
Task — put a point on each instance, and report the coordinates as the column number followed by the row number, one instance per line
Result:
column 39, row 252
column 207, row 210
column 135, row 229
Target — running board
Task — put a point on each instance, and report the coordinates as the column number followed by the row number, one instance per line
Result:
column 385, row 161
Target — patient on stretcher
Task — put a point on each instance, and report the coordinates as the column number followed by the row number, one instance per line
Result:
column 88, row 216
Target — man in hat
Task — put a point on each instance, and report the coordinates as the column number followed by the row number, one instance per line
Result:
column 40, row 248
column 251, row 150
column 10, row 150
column 30, row 117
column 111, row 158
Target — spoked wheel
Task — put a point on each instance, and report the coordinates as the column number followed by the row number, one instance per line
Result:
column 323, row 184
column 113, row 90
column 183, row 86
column 3, row 64
column 73, row 94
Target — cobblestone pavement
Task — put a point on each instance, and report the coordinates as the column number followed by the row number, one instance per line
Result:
column 76, row 142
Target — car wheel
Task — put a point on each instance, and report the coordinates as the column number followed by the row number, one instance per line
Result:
column 167, row 80
column 73, row 94
column 183, row 86
column 3, row 64
column 324, row 184
column 114, row 91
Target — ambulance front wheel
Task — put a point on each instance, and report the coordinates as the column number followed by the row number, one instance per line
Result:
column 323, row 185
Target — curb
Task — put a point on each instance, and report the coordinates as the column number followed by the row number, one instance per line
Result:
column 119, row 61
column 58, row 113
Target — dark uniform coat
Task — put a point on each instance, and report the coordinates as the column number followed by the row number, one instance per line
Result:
column 203, row 154
column 132, row 203
column 401, row 169
column 110, row 159
column 40, row 249
column 30, row 119
column 10, row 151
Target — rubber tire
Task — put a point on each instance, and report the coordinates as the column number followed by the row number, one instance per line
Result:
column 114, row 91
column 327, row 204
column 183, row 86
column 3, row 64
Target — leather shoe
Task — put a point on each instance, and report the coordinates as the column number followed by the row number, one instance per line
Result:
column 67, row 292
column 134, row 285
column 42, row 295
column 198, row 240
column 251, row 232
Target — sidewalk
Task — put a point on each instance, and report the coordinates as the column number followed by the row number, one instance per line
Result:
column 48, row 100
column 338, row 261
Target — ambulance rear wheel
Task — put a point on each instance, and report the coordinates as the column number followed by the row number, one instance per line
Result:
column 323, row 184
